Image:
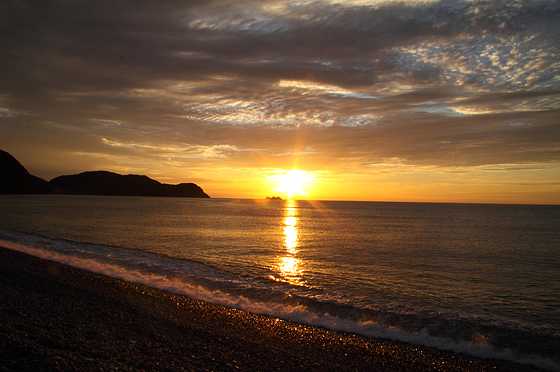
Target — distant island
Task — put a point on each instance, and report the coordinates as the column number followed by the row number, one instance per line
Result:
column 15, row 179
column 273, row 198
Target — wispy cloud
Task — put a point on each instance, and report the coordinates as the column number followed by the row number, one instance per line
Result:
column 432, row 83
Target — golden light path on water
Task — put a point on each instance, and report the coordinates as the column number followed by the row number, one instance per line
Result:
column 289, row 265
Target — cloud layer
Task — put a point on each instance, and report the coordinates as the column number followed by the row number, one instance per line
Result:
column 349, row 85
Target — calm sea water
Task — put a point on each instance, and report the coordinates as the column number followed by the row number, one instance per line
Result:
column 479, row 279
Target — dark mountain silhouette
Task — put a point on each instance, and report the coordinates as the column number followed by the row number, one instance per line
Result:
column 108, row 183
column 14, row 179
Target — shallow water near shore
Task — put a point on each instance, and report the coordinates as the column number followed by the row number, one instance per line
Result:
column 479, row 279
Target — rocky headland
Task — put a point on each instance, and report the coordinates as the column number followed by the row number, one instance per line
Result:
column 15, row 179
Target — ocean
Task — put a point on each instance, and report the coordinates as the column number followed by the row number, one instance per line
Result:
column 478, row 279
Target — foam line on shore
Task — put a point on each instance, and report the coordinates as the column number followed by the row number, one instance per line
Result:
column 294, row 313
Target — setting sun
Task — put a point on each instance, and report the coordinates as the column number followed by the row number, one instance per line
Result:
column 293, row 182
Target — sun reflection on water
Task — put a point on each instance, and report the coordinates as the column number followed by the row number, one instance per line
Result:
column 290, row 234
column 289, row 265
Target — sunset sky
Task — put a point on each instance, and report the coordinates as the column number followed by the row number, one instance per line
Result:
column 437, row 101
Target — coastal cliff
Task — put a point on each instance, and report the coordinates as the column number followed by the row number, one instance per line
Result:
column 108, row 183
column 15, row 179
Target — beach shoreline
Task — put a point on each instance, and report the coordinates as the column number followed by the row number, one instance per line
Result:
column 58, row 318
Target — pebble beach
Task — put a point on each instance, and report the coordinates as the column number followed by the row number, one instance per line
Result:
column 57, row 318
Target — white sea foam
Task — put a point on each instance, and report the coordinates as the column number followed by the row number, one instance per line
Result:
column 161, row 273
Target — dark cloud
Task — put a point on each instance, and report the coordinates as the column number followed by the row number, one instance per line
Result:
column 435, row 83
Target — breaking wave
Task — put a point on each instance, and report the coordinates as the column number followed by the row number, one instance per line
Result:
column 478, row 336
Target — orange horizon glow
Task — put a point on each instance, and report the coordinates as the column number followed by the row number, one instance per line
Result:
column 386, row 182
column 433, row 186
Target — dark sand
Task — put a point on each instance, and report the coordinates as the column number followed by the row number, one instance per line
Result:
column 56, row 318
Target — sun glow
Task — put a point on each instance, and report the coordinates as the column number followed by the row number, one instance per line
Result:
column 293, row 182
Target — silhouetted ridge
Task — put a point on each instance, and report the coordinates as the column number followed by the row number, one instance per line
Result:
column 15, row 179
column 108, row 183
